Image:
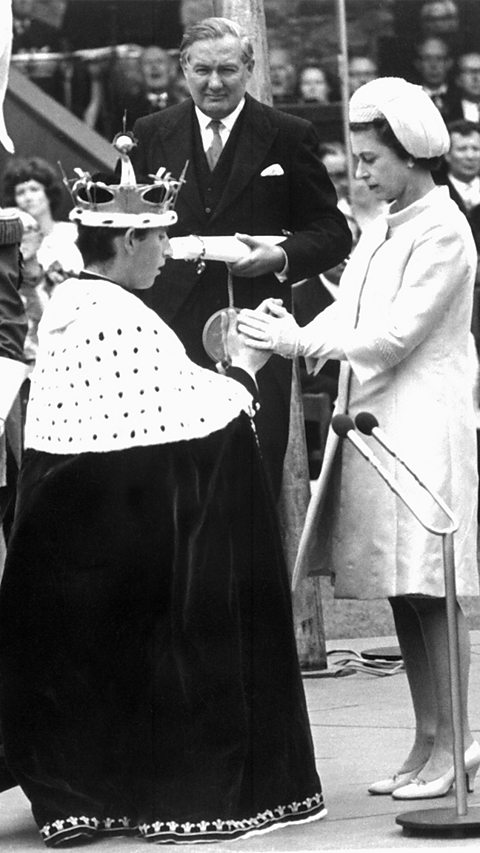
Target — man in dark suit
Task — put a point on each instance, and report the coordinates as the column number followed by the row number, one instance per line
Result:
column 269, row 179
column 468, row 82
column 433, row 64
column 462, row 177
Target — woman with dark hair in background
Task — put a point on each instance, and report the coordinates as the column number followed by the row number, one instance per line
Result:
column 34, row 185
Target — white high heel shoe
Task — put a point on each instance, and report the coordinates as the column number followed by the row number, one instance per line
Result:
column 398, row 780
column 418, row 789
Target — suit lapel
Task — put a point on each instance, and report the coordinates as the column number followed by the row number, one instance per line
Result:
column 175, row 148
column 255, row 138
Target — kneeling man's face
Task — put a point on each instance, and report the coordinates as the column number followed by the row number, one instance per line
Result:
column 150, row 255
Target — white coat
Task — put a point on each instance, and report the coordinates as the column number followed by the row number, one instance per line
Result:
column 402, row 318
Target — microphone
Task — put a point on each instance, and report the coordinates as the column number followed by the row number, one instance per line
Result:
column 368, row 424
column 344, row 427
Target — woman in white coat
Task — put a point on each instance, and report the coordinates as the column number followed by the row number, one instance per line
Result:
column 400, row 328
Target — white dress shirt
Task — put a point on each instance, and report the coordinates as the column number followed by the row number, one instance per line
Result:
column 227, row 123
column 471, row 110
column 225, row 129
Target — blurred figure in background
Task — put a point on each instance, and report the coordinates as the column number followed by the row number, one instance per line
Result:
column 361, row 69
column 433, row 64
column 468, row 83
column 34, row 186
column 358, row 204
column 441, row 18
column 151, row 86
column 283, row 76
column 157, row 73
column 313, row 84
column 463, row 182
column 463, row 166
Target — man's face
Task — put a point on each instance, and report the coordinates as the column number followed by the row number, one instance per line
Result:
column 433, row 62
column 361, row 69
column 216, row 75
column 148, row 258
column 464, row 156
column 155, row 64
column 282, row 73
column 468, row 78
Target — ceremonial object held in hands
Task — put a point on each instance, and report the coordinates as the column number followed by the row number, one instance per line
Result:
column 228, row 249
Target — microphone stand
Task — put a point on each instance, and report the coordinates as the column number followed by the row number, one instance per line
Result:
column 453, row 822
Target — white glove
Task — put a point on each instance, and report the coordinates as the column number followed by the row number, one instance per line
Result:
column 270, row 327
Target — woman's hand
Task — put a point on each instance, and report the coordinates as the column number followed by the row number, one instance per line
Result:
column 237, row 351
column 270, row 327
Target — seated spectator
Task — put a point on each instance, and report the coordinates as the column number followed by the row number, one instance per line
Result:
column 157, row 72
column 467, row 80
column 282, row 75
column 314, row 85
column 361, row 69
column 433, row 64
column 153, row 87
column 34, row 186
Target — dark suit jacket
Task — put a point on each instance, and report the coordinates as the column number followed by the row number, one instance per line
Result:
column 473, row 217
column 450, row 104
column 237, row 198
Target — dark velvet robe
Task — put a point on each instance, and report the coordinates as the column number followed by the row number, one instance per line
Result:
column 149, row 675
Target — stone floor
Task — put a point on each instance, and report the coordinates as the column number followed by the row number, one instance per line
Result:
column 362, row 726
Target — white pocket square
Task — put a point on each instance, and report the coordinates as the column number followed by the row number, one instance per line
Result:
column 271, row 171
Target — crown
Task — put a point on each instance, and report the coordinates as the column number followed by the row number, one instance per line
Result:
column 125, row 204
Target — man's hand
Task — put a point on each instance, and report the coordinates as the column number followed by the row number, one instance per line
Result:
column 238, row 353
column 270, row 327
column 263, row 258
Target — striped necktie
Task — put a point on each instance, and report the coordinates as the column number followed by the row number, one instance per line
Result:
column 213, row 153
